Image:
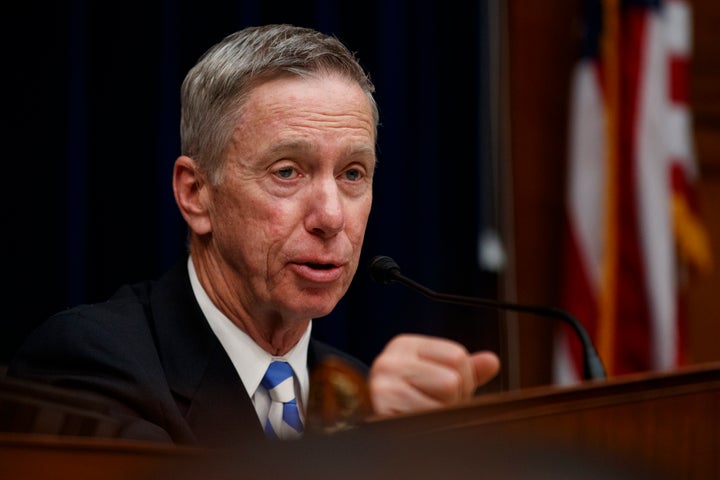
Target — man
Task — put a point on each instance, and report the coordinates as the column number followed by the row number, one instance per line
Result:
column 275, row 183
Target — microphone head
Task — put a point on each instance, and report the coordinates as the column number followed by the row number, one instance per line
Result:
column 383, row 269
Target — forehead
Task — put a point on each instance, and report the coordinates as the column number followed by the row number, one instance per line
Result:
column 328, row 100
column 309, row 118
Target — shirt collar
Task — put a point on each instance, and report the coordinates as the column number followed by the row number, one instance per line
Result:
column 247, row 357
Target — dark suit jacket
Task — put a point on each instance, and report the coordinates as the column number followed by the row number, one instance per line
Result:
column 150, row 350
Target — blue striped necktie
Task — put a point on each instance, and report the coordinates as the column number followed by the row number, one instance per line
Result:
column 283, row 418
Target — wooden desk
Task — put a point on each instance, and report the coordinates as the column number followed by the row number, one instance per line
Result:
column 668, row 422
column 31, row 456
column 642, row 426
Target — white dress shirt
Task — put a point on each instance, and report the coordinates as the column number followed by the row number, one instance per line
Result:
column 249, row 359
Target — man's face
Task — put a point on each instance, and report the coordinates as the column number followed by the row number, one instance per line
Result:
column 289, row 215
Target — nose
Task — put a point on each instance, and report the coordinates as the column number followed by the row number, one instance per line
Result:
column 325, row 216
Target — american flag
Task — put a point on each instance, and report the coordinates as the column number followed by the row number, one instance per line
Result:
column 633, row 228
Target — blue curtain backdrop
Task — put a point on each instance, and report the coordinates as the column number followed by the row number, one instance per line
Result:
column 91, row 133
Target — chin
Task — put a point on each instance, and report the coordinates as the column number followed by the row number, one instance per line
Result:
column 319, row 310
column 314, row 305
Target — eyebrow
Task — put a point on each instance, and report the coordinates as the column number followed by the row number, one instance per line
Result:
column 294, row 144
column 360, row 148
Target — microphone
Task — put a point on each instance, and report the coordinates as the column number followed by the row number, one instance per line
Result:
column 384, row 270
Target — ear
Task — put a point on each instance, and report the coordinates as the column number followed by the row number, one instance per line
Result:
column 191, row 190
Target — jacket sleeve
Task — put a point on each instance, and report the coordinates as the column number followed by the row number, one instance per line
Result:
column 101, row 351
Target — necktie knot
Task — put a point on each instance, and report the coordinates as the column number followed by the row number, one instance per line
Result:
column 278, row 381
column 284, row 417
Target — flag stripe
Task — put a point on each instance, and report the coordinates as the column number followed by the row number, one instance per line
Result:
column 629, row 196
column 678, row 79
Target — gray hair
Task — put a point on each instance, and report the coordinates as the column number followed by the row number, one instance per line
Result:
column 216, row 88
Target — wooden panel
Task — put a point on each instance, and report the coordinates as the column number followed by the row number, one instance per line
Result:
column 703, row 298
column 33, row 457
column 622, row 428
column 543, row 46
column 661, row 423
column 705, row 80
column 703, row 293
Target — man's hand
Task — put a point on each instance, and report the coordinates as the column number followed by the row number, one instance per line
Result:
column 416, row 372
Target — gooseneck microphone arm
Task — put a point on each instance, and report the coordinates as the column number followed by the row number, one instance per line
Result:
column 384, row 270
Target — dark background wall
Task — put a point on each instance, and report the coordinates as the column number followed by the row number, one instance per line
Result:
column 92, row 111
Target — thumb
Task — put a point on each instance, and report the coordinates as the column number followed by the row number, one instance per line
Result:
column 485, row 366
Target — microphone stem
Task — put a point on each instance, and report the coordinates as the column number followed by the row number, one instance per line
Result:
column 592, row 366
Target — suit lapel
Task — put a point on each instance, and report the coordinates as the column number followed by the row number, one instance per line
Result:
column 221, row 412
column 205, row 385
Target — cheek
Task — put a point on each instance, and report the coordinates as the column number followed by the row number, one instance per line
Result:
column 267, row 231
column 356, row 222
column 278, row 220
column 247, row 226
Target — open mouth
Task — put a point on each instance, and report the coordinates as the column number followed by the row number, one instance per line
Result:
column 320, row 266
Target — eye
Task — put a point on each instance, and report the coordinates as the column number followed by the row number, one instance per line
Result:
column 353, row 174
column 286, row 173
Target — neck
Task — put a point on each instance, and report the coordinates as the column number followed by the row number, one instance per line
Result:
column 271, row 331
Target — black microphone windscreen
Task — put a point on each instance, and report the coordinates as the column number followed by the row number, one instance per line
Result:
column 382, row 269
